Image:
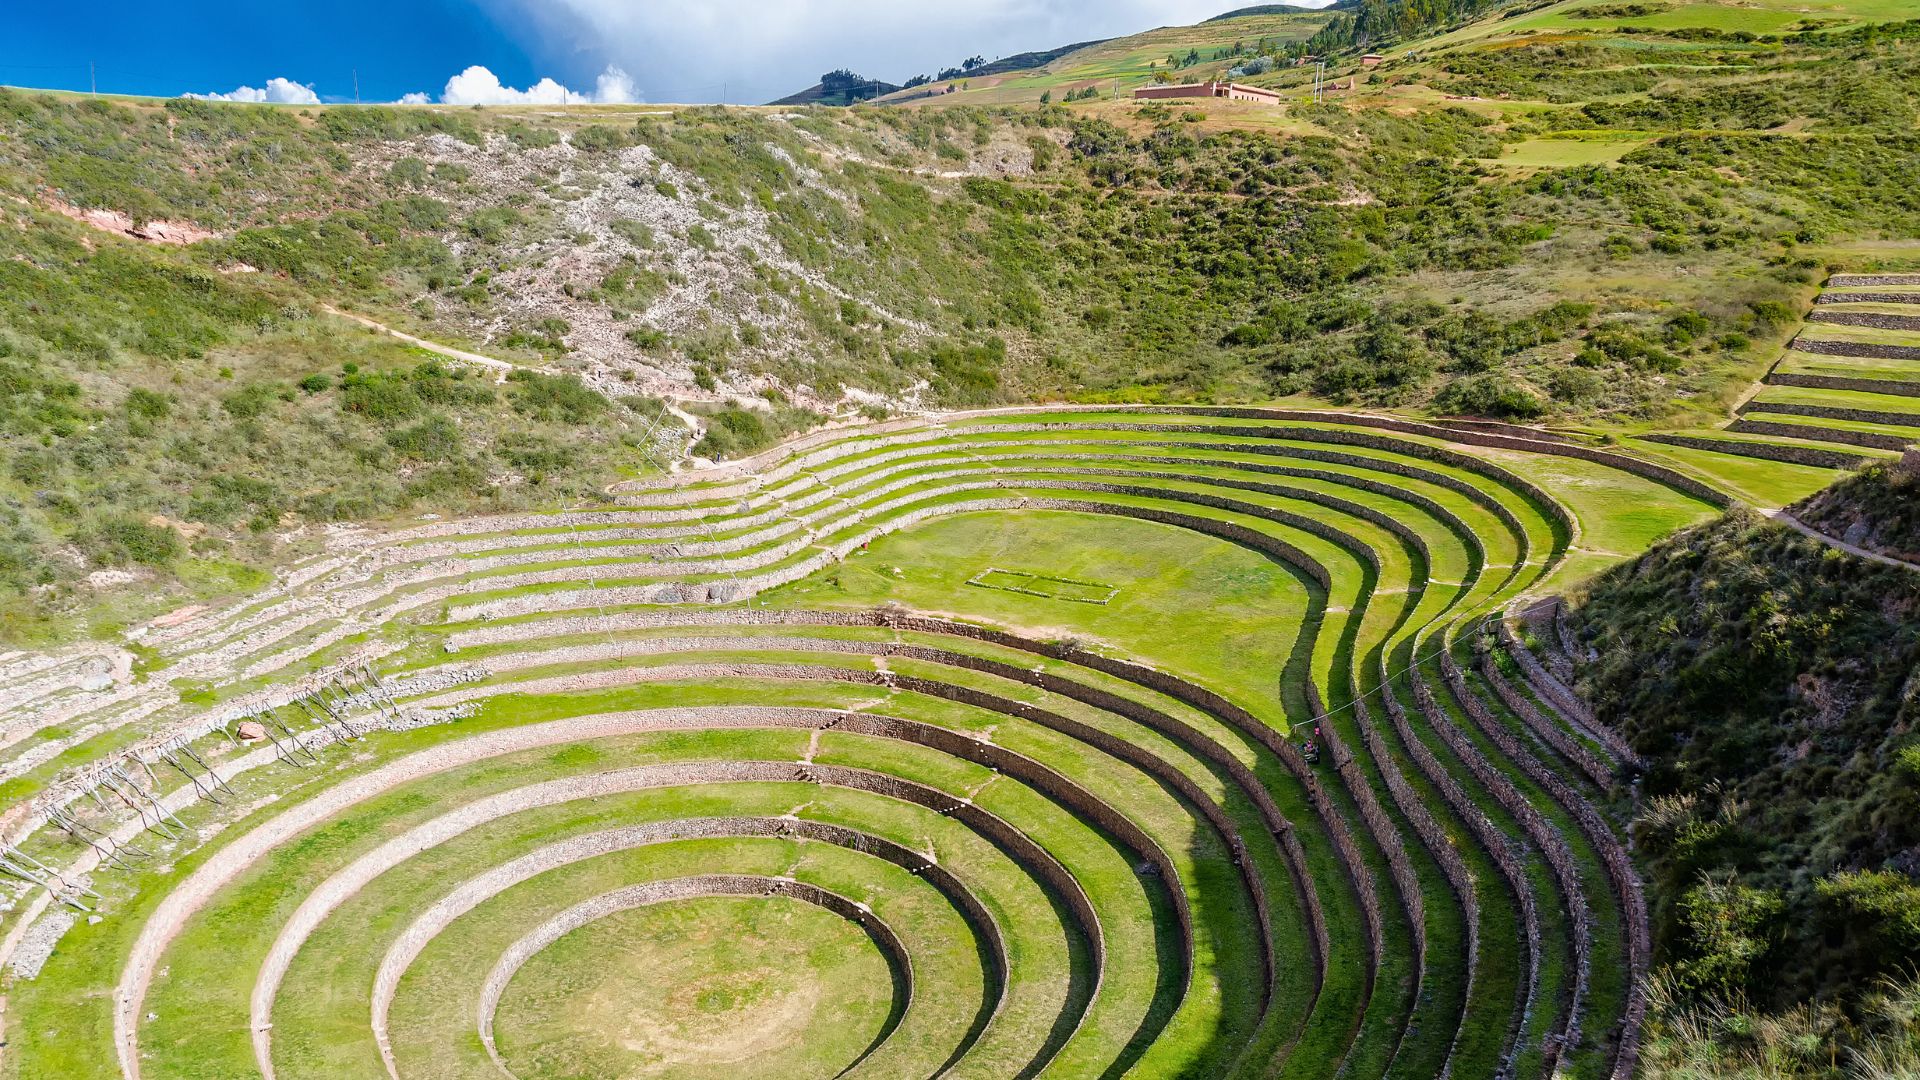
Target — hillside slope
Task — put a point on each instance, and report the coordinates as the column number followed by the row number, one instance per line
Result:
column 1773, row 686
column 184, row 411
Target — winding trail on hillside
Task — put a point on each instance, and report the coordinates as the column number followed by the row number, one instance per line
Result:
column 489, row 362
column 1794, row 523
column 492, row 363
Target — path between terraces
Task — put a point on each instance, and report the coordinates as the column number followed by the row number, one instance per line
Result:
column 491, row 363
column 1787, row 519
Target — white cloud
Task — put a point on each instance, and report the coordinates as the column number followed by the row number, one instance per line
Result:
column 278, row 91
column 614, row 87
column 767, row 50
column 479, row 86
column 415, row 99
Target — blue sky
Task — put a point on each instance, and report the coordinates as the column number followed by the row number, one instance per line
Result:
column 398, row 46
column 657, row 50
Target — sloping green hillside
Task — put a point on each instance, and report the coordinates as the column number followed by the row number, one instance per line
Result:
column 1389, row 249
column 1773, row 686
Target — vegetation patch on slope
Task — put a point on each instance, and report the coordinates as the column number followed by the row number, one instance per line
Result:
column 1772, row 685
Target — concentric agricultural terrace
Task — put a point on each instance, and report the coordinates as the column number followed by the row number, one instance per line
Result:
column 740, row 775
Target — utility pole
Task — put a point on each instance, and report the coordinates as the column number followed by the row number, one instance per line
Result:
column 356, row 86
column 93, row 81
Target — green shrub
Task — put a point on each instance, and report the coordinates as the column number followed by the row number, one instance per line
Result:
column 1490, row 395
column 380, row 397
column 637, row 233
column 249, row 401
column 434, row 438
column 494, row 224
column 121, row 541
column 600, row 139
column 734, row 431
column 555, row 398
column 147, row 404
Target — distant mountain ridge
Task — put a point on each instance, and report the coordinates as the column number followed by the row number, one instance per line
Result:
column 1025, row 60
column 825, row 93
column 840, row 87
column 1279, row 9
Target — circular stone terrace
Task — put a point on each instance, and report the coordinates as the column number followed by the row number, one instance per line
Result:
column 1069, row 743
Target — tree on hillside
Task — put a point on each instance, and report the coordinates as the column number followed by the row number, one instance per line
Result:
column 850, row 86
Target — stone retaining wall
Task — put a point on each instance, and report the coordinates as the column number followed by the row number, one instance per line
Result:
column 1879, row 320
column 1796, row 455
column 193, row 891
column 1867, row 298
column 1894, row 387
column 1028, row 771
column 1406, row 880
column 495, row 880
column 1333, row 435
column 1621, row 875
column 1860, row 349
column 1545, row 834
column 1871, row 439
column 1546, row 840
column 270, row 630
column 687, row 888
column 1563, row 701
column 1496, row 427
column 1504, row 853
column 1835, row 412
column 1597, row 769
column 1842, row 280
column 1439, row 846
